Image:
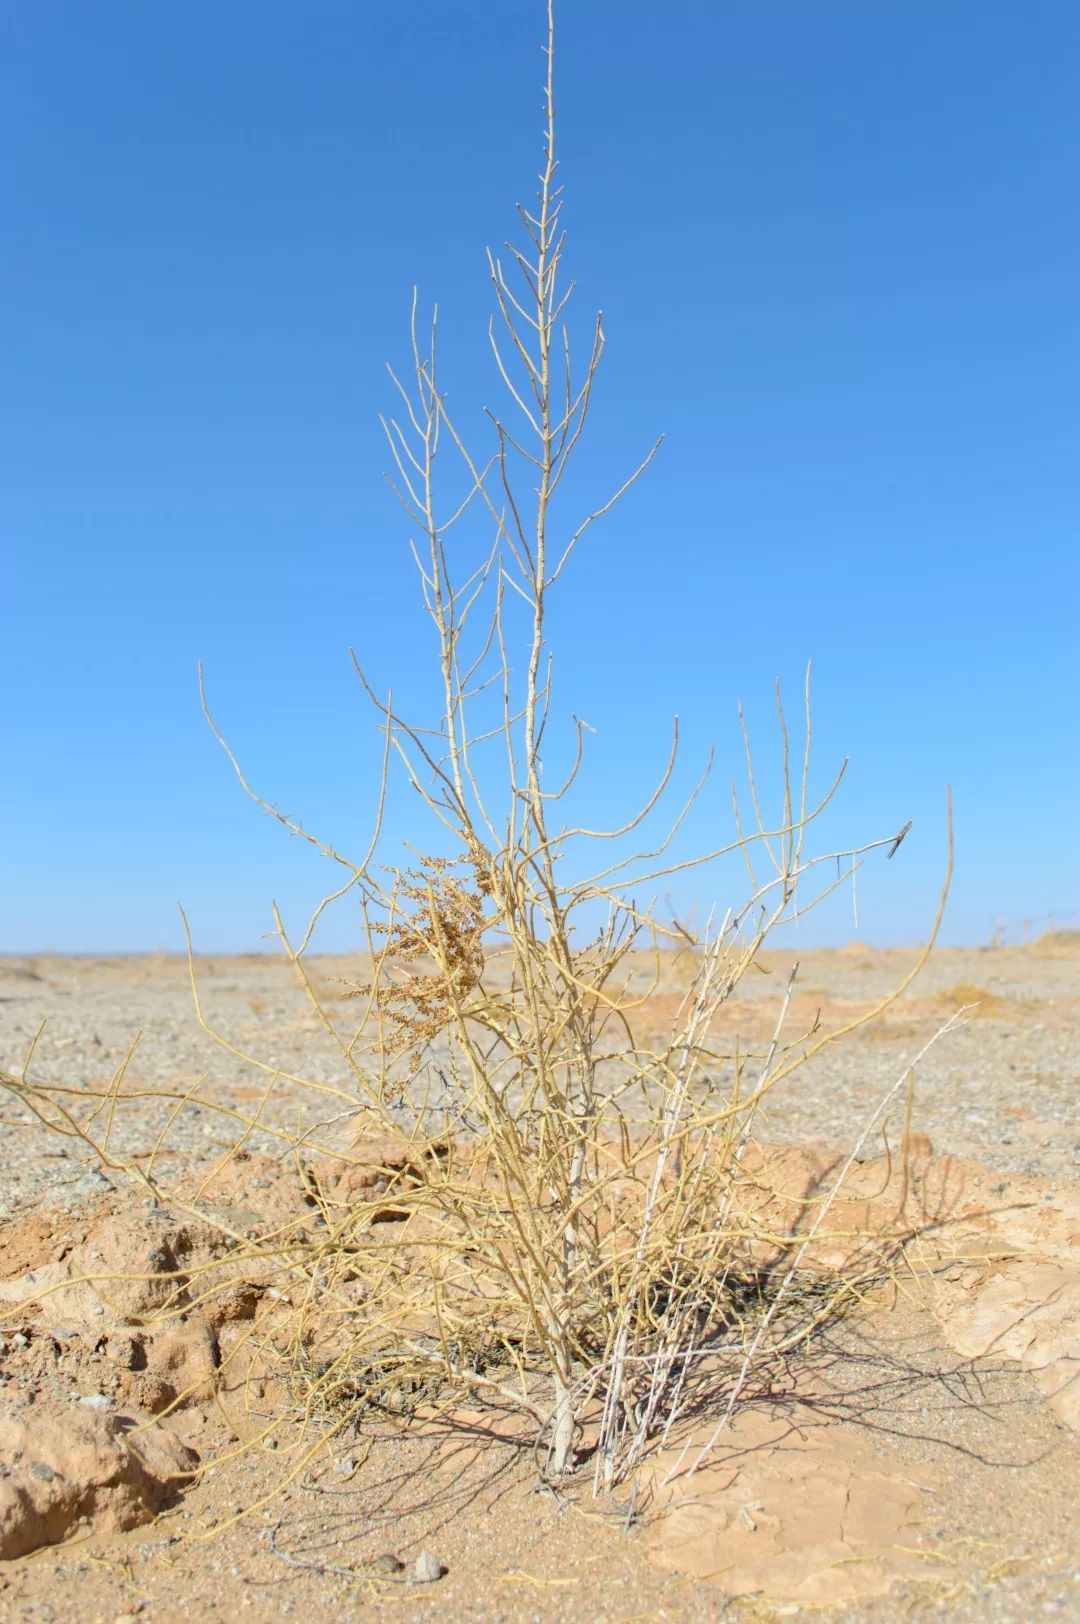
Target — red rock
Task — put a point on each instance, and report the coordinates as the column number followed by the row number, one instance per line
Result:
column 82, row 1468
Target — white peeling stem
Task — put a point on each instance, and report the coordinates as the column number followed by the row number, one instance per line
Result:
column 562, row 1428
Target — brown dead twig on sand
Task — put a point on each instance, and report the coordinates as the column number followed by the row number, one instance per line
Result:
column 568, row 1236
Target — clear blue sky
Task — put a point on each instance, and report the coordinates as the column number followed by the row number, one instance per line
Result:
column 837, row 247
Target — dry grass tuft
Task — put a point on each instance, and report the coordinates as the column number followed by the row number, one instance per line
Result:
column 1054, row 942
column 966, row 994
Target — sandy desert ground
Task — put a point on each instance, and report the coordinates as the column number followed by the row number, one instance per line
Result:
column 938, row 1430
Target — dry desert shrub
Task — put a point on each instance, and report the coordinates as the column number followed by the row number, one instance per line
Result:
column 537, row 1202
column 967, row 995
column 1053, row 943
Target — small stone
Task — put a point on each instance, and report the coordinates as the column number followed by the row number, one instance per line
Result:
column 428, row 1568
column 95, row 1401
column 387, row 1565
column 20, row 1341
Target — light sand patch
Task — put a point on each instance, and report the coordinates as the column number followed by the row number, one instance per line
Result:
column 790, row 1507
